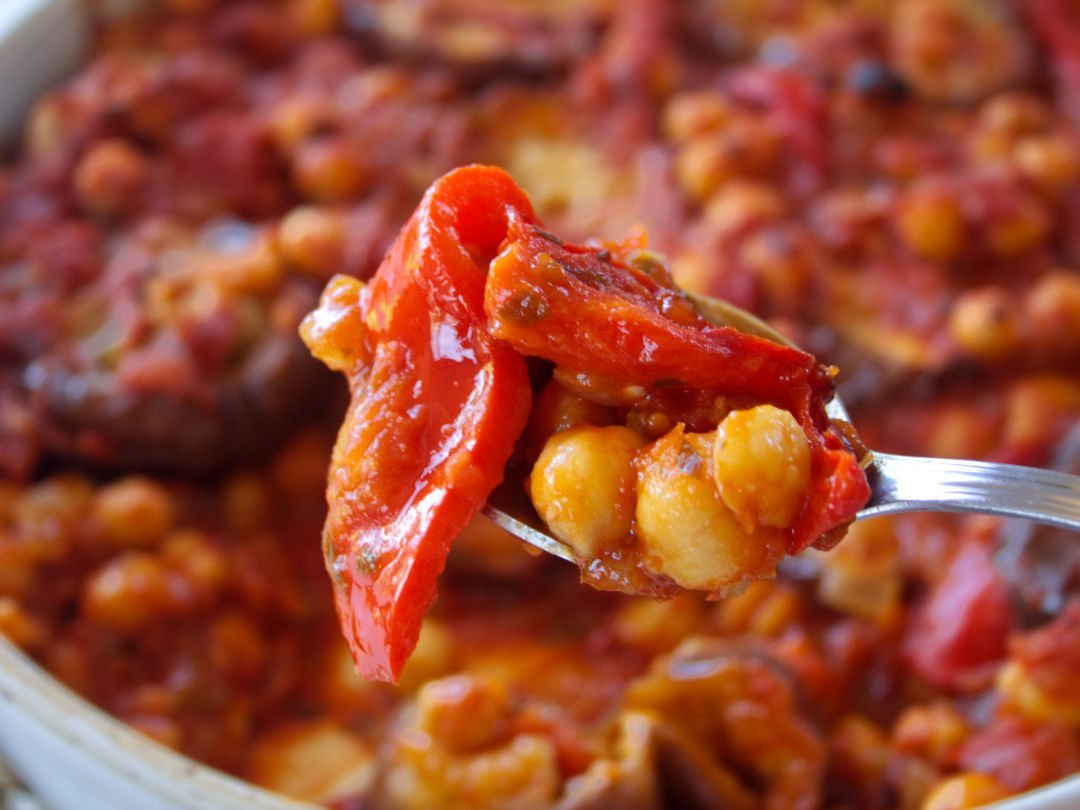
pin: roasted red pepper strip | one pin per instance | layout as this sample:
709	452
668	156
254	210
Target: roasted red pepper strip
587	311
437	405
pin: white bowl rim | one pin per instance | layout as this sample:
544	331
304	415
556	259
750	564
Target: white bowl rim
31	690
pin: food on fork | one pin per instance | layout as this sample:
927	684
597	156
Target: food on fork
670	452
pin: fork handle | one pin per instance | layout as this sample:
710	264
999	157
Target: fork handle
910	484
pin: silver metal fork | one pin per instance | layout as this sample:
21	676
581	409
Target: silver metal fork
898	483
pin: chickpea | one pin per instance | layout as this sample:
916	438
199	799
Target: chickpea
1051	161
1023	226
255	270
932	732
583	486
464	713
1014	114
1022	693
235	647
1038	408
985	323
764	609
312	239
111	178
296	119
191	554
658	626
48	517
696	113
1052	311
778	260
127	593
327	169
963	792
133	512
21	628
742	202
314	18
702	166
687	531
312	761
557	408
930	223
761	460
860	748
247	502
299	469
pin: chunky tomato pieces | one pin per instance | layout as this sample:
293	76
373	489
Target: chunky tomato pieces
433	351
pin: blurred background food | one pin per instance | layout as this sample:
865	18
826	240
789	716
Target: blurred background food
893	184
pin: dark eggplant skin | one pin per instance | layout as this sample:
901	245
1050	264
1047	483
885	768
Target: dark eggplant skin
85	418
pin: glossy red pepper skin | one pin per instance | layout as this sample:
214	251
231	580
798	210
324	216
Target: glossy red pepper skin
437	405
589	311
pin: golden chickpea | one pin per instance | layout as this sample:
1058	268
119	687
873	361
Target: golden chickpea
932	732
191	554
133	512
702	166
557	408
659	625
127	593
696	113
247	502
761	460
235	647
583	486
314	18
1052	312
312	239
860	748
312	761
255	270
688	532
464	713
930	223
779	263
1038	408
22	629
1022	227
1014	114
111	178
327	169
299	469
49	516
964	792
742	202
1051	161
297	118
985	323
1021	693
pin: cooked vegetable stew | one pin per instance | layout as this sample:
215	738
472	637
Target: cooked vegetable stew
894	185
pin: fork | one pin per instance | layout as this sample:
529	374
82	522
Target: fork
898	483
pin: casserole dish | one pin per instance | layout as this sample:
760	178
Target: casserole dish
44	729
